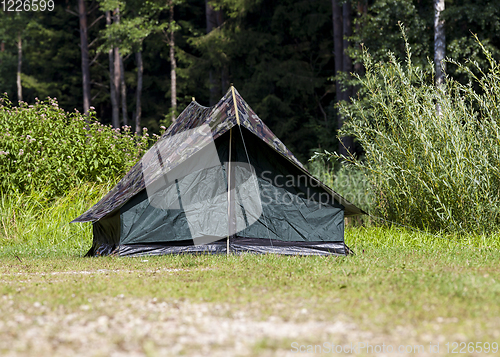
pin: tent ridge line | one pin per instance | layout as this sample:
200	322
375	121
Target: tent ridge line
235	106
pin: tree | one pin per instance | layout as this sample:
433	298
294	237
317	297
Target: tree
123	92
19	66
8	58
280	61
116	66
84	48
463	17
277	53
346	143
13	29
170	39
377	27
439	41
133	23
338	47
342	32
214	21
111	44
138	107
113	87
119	71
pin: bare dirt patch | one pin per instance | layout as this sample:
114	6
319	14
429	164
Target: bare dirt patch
146	327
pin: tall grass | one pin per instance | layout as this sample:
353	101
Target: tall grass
432	154
347	180
37	226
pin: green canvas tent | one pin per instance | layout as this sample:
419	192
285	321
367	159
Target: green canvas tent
219	181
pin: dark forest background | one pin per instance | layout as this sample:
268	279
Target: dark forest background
140	63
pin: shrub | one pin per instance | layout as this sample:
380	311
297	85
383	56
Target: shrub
431	154
45	149
347	180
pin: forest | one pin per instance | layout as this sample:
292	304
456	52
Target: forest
393	104
139	63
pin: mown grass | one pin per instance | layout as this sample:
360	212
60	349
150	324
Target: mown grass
430	285
408	280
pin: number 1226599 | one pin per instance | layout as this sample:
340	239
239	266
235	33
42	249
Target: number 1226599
27	5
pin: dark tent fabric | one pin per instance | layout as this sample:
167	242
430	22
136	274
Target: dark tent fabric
219	179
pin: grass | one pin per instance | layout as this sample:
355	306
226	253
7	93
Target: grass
400	286
32	226
397	279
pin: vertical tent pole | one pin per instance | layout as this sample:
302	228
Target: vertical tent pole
229	215
230	208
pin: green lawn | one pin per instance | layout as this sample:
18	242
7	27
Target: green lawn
401	287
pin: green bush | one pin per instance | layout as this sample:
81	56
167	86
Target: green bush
347	180
432	154
45	149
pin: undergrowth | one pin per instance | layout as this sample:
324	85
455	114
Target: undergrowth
431	154
33	225
46	150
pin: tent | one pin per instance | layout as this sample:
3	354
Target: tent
219	181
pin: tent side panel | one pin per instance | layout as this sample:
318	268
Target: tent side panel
106	235
144	223
294	210
186	205
294	207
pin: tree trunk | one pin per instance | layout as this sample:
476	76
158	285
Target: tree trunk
138	109
362	11
347	32
173	65
347	141
338	51
84	48
123	93
115	119
117	67
214	20
116	80
19	64
224	75
337	43
439	41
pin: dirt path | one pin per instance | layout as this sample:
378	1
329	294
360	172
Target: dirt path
134	327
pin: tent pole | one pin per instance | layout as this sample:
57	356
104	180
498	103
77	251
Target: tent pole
230	207
235	107
229	216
